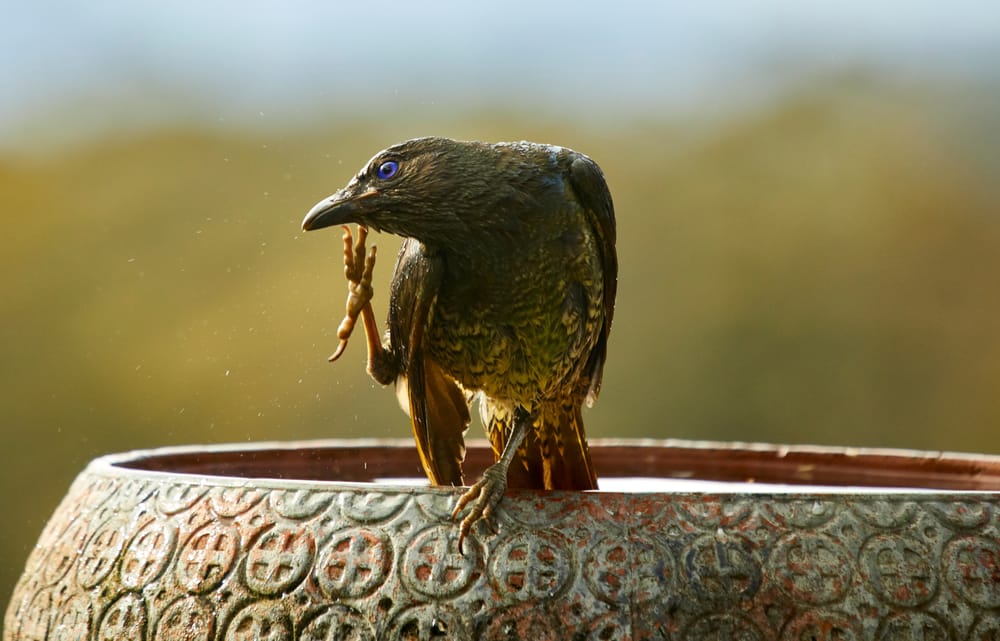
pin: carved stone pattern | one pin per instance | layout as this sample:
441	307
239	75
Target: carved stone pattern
170	561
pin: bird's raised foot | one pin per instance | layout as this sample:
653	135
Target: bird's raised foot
484	495
358	268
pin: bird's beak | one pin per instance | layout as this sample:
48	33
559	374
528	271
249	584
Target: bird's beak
345	206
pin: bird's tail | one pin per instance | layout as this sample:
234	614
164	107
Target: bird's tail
554	455
439	417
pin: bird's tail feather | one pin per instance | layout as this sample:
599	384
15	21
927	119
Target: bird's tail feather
439	418
554	455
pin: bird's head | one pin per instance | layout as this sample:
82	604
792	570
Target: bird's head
412	189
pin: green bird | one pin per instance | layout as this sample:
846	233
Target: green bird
504	288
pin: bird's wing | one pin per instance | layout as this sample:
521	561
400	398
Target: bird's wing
595	199
438	411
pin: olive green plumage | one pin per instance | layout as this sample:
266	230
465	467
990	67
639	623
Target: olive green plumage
504	286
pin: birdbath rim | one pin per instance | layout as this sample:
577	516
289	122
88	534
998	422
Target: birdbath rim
625	466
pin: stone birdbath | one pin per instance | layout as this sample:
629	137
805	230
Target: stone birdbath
340	540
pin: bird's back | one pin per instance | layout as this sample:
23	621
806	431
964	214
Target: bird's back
523	326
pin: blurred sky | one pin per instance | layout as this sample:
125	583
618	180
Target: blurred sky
235	63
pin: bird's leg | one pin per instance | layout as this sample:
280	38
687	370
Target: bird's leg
358	268
486	493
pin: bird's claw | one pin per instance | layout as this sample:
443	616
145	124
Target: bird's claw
483	495
358	268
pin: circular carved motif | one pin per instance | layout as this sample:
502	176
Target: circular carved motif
33	624
179	497
131	493
125	618
186	619
723	627
525	621
437	506
260	621
632	571
802	513
899	569
66	515
372	507
960	515
613	625
103	548
279	559
714	511
986	629
822	625
147	554
98	490
535	565
426	623
637	623
885	513
62	557
910	626
538	509
73	622
972	568
228	502
207	557
433	565
300	504
338	623
354	563
722	569
812	567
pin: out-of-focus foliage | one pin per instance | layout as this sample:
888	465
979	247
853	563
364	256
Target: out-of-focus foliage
826	269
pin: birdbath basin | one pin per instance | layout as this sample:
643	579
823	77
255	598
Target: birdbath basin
342	540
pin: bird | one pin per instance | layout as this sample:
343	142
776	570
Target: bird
503	293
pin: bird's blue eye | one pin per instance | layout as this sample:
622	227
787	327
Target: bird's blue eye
388	169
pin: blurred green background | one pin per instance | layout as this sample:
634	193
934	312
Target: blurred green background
808	200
